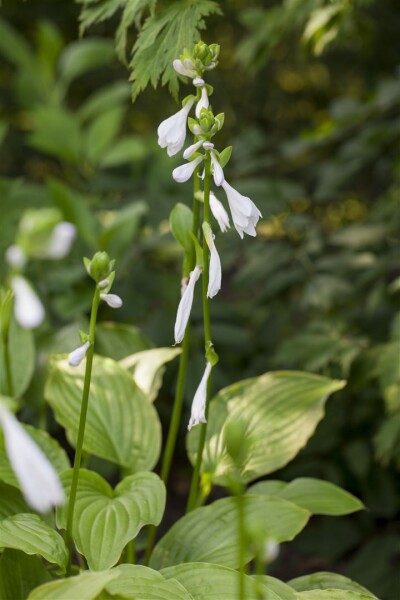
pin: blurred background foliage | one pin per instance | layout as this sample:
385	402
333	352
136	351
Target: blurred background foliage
311	94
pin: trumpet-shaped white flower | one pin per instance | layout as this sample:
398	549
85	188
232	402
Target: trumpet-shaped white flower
184	172
112	300
76	356
217	170
215	272
15	256
61	240
192	149
203	102
185	68
199	401
37	477
219	212
28	309
245	213
185	305
172	131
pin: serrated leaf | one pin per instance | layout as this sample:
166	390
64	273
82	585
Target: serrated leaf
148	369
11	501
317	496
280	411
325	580
27	532
19	574
163	38
133	12
85	586
206	581
142	583
121	425
56	455
214	529
105	520
22	359
97	11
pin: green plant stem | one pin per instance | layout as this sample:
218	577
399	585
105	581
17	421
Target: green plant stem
194	485
7	362
82	423
180	386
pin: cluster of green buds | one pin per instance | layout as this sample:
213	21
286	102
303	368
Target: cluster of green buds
194	63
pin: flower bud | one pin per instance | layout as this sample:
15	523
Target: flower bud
112	300
76	356
100	267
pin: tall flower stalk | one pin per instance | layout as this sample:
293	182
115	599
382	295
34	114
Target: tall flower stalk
100	268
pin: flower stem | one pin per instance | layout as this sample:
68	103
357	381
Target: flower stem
192	500
180	387
82	423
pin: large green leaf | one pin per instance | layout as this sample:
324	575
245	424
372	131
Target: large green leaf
319	497
331	594
121	425
214	582
27	532
11	501
22	359
141	583
105	520
325	580
209	534
56	455
85	586
148	368
280	412
19	574
283	590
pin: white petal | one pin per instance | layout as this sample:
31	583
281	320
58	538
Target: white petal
15	256
112	300
184	172
203	102
172	131
182	69
218	172
245	213
61	240
28	309
214	275
76	356
191	149
219	212
199	401
37	477
185	306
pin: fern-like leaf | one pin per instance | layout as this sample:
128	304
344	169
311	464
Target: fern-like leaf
132	14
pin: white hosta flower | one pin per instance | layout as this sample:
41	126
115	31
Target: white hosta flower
185	68
184	172
271	551
76	356
172	131
15	256
192	149
37	477
199	401
214	274
61	240
203	102
245	213
185	305
217	170
28	309
219	212
112	300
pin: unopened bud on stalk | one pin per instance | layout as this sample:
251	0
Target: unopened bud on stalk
100	267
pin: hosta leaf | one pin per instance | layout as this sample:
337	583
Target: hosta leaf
214	582
121	425
105	520
85	586
22	359
319	497
280	412
283	590
118	340
162	39
325	580
11	501
19	574
148	368
331	594
214	529
27	532
56	455
141	583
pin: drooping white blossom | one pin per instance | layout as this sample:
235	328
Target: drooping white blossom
28	309
199	401
203	102
245	213
185	305
76	356
184	172
61	240
192	149
185	68
172	131
215	271
217	170
112	300
15	256
37	477
219	212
